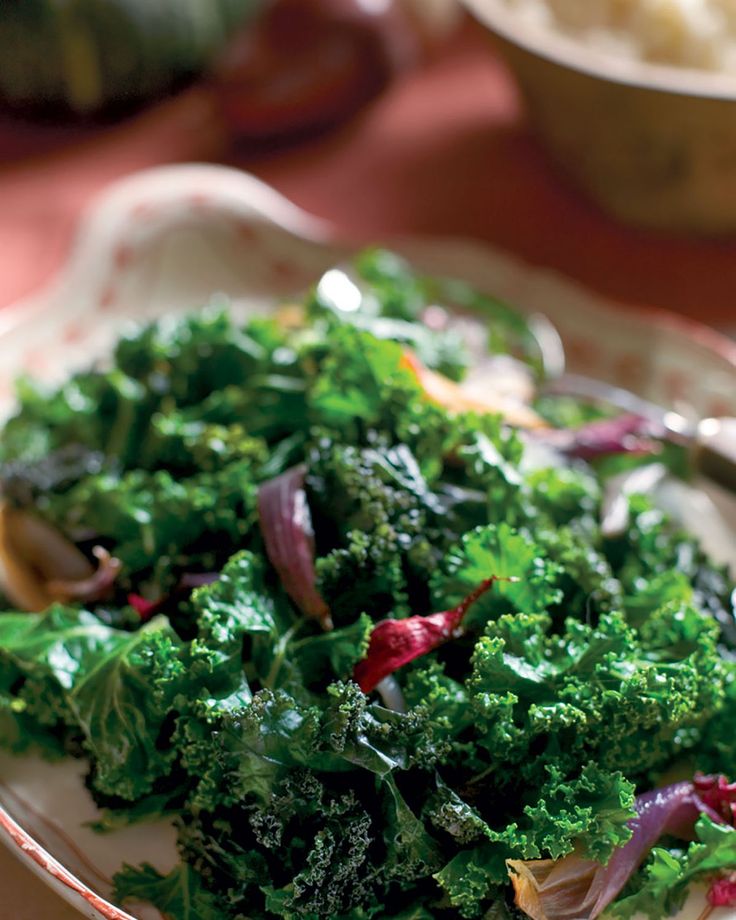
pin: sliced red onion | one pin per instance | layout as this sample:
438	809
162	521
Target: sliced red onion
32	554
625	434
286	525
95	587
395	643
575	888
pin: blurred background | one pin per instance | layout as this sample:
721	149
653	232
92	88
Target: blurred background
386	117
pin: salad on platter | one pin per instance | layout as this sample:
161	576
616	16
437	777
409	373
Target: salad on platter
386	632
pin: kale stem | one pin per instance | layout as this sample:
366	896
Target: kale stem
280	653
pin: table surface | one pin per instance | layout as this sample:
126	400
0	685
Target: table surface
445	151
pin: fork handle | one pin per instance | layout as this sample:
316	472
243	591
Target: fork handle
714	451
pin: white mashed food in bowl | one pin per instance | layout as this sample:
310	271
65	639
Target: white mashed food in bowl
686	33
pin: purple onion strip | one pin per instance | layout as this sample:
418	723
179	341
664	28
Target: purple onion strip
286	525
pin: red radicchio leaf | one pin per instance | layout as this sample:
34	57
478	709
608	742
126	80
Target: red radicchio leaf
144	608
722	892
286	525
625	434
395	643
717	793
187	583
575	888
94	588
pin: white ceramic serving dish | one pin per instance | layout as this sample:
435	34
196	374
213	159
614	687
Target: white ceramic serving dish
169	239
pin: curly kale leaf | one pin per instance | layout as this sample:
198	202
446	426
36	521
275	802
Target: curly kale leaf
563	494
256	746
337	869
472	878
589	809
390	286
411	852
361	384
237	606
496	550
385	298
717	750
315	847
585	577
379	509
491	465
155	521
180	894
187	358
629	700
114	688
106	413
121	707
652	548
242	623
334	654
199	369
401	292
443	698
178	444
307	850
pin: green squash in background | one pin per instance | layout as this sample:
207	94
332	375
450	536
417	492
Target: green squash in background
86	55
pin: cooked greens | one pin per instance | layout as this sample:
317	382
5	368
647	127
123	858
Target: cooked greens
302	507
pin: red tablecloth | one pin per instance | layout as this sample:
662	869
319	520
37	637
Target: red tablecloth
444	151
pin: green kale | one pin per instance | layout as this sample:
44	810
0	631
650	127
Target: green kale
585	577
362	384
234	607
176	443
378	509
563	494
472	877
501	551
384	298
589	810
411	852
717	750
112	687
289	856
180	894
154	521
186	360
652	547
102	412
630	701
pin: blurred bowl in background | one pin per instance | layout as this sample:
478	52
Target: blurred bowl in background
653	144
93	58
308	65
